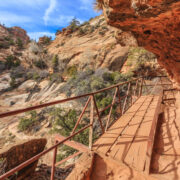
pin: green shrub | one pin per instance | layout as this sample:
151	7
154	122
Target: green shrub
13	82
97	83
66	120
105	28
27	122
72	71
40	64
56	77
46	40
7	38
11	42
81	31
12	61
92	29
19	43
68	151
107	76
35	76
74	25
45	51
104	102
101	33
55	62
58	32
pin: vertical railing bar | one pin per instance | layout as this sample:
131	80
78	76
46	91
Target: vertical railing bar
144	81
110	112
119	97
136	87
80	117
97	111
140	90
131	96
91	122
54	162
124	105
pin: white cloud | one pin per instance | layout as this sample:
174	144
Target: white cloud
37	35
61	20
10	19
49	10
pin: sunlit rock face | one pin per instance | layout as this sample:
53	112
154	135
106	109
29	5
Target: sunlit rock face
156	26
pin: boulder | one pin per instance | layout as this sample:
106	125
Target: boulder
19	153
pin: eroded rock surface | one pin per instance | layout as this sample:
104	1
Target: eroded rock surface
92	46
17	154
154	23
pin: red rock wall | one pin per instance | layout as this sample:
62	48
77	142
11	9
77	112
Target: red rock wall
156	26
19	153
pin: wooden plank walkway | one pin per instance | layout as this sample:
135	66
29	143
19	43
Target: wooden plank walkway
130	139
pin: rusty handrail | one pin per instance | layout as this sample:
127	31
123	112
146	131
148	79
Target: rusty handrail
19	111
93	104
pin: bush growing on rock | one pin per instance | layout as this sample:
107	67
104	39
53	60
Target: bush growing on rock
55	62
56	77
74	25
64	122
40	64
19	43
26	123
89	81
72	71
12	61
13	82
34	48
46	40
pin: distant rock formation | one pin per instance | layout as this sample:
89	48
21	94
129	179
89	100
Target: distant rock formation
92	45
14	33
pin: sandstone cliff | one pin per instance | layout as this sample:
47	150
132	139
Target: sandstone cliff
92	45
155	25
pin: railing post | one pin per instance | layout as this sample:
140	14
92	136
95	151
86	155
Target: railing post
140	90
54	162
113	101
91	122
136	87
97	111
124	105
81	115
119	97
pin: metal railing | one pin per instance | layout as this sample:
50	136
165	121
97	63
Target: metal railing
133	92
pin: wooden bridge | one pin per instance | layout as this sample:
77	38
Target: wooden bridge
128	139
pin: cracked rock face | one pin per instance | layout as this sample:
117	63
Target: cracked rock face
155	25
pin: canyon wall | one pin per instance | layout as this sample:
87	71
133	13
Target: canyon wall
154	23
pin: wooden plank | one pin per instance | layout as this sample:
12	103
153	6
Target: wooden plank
78	146
152	135
136	156
120	150
109	138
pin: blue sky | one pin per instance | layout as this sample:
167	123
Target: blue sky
44	17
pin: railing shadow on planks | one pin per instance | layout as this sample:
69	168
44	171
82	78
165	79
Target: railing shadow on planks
134	89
